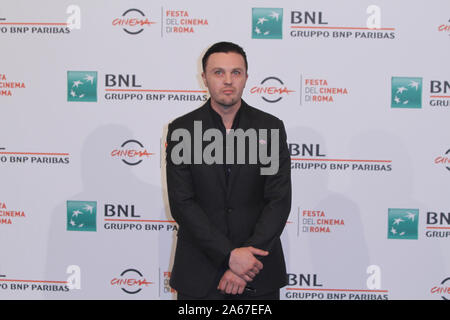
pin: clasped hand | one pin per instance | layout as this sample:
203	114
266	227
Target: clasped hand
243	268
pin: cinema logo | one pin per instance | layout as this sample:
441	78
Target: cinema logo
127	87
126	217
131	281
271	90
182	22
310	287
9	87
73	21
132	21
131	152
38	158
319	91
444	28
312	157
442	290
9	216
316	25
317	221
443	160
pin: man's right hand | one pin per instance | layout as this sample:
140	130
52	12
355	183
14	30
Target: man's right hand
244	264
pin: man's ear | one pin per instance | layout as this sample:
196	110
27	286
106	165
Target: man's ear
204	79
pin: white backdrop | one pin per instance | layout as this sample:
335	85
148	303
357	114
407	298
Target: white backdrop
87	89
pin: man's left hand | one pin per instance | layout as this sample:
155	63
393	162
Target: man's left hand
230	283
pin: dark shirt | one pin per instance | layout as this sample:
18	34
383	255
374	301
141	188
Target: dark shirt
218	124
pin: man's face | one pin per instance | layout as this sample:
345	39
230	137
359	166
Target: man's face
225	76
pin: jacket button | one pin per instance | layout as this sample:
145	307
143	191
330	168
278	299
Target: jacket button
229	210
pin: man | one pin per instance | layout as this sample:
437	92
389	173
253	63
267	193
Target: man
230	215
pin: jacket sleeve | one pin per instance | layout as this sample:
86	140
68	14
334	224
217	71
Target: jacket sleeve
277	195
188	214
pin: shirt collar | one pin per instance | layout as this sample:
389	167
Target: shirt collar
218	123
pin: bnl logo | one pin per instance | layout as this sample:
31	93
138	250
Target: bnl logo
267	23
403	224
82	86
81	216
406	93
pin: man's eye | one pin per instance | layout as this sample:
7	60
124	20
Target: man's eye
218	72
236	72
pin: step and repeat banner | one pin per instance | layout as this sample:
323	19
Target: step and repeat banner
87	89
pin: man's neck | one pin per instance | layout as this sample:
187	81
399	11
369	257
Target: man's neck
227	113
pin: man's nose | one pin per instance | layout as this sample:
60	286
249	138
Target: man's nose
227	78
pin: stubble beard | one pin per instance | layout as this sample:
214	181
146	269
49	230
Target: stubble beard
225	104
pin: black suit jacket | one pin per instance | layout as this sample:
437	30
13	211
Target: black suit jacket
214	218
